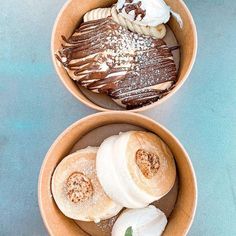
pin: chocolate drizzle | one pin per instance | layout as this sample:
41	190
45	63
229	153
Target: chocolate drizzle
136	7
107	58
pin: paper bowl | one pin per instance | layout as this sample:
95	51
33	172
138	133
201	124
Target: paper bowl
57	224
71	15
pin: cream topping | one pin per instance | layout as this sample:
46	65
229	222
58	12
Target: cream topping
149	221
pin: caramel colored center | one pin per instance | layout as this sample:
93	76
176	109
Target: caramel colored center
78	187
147	162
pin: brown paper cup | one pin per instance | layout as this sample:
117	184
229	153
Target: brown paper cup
71	15
57	224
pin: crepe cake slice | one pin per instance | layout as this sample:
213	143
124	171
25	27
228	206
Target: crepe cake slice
104	57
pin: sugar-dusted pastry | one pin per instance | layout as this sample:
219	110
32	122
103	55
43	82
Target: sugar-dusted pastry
77	191
99	13
149	221
104	57
147	12
135	168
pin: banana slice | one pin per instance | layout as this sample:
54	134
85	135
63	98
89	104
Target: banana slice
135	168
145	221
158	31
97	13
77	191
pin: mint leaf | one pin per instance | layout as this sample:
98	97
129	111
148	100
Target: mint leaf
129	232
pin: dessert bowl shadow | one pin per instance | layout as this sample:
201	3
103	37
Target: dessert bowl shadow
56	223
71	15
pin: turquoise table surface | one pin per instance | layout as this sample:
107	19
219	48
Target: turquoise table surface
35	108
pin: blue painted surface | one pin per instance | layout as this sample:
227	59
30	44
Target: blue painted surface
35	108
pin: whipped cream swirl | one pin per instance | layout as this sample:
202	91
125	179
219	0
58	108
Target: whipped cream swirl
147	12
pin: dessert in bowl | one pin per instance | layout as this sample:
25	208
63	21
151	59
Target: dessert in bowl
160	186
123	56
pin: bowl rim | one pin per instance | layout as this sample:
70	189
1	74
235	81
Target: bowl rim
141	109
138	116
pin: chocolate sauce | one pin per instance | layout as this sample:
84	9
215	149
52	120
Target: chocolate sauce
136	7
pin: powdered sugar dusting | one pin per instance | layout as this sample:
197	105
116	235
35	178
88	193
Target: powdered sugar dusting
106	225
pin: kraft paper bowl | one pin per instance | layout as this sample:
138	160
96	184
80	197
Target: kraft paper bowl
71	15
110	123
